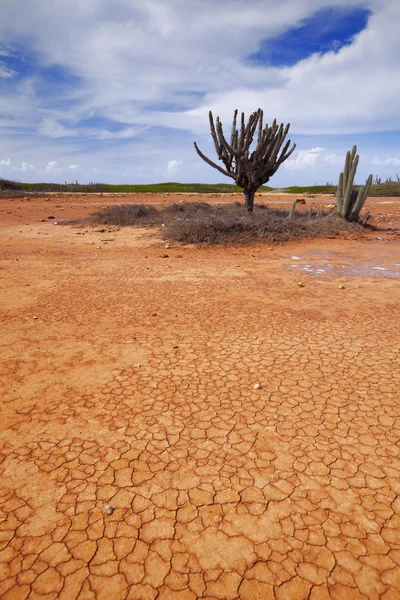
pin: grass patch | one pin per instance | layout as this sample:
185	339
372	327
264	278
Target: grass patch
385	189
156	188
311	189
381	189
227	224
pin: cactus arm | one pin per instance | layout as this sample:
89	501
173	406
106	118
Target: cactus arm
339	196
347	196
346	172
362	196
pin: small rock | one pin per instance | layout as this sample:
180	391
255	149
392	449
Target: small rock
342	287
166	246
35	317
165	256
108	509
257	386
98	247
300	284
51	217
300	201
55	223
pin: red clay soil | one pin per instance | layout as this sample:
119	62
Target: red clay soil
139	459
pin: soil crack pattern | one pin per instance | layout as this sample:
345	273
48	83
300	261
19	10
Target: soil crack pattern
139	460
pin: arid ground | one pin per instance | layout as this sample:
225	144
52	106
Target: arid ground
139	459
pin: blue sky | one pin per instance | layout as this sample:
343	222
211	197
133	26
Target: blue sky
117	90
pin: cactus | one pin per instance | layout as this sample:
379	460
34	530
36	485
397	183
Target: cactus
249	169
292	210
350	201
310	213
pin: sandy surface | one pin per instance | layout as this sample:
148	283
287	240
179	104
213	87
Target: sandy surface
137	458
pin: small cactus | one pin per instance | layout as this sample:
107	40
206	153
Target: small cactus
292	210
350	201
310	213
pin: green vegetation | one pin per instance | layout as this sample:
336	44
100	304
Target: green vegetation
381	189
170	187
311	189
385	189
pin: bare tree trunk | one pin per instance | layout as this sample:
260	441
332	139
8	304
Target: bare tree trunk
249	199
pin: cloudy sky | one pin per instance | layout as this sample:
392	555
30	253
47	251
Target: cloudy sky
117	90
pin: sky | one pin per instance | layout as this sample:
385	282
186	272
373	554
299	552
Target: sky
117	91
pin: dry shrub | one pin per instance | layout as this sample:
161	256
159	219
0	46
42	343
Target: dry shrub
126	214
233	229
225	224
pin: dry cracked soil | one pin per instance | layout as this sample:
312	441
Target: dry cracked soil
139	459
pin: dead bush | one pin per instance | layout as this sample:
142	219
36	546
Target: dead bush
126	214
225	224
232	229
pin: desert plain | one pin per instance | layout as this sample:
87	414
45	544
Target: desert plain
189	422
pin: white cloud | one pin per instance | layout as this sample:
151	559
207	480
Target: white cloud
385	162
334	159
53	129
173	166
52	167
5	163
73	167
27	167
157	64
6	72
304	159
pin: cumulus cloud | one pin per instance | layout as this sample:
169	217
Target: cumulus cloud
304	159
173	166
27	167
134	55
157	65
52	168
385	162
334	159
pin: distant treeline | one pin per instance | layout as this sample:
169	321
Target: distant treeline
380	189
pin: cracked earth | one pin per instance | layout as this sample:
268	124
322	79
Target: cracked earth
137	458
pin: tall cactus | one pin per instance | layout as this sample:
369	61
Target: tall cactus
350	201
249	169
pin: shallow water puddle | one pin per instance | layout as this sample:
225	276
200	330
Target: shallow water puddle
319	265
